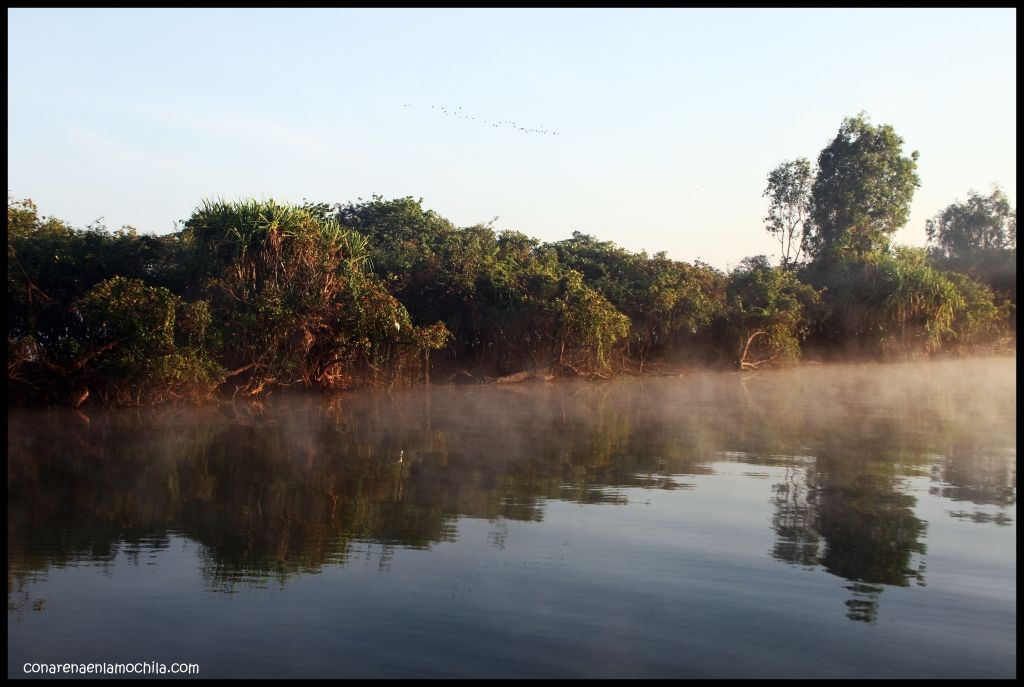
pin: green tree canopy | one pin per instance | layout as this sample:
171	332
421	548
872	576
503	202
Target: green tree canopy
789	209
765	319
978	238
667	301
981	223
862	191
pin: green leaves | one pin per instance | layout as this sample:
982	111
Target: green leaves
266	295
134	342
862	192
768	305
895	303
982	223
789	196
589	321
665	300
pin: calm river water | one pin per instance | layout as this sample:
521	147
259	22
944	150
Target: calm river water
848	521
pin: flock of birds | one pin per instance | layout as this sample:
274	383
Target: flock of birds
459	114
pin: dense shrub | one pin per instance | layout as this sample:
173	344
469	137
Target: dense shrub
253	296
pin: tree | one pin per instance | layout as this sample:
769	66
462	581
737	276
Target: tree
978	238
862	191
292	297
766	312
143	343
982	223
895	303
666	300
789	195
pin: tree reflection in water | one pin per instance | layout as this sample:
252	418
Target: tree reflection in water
280	490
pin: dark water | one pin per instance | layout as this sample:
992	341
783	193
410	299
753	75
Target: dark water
850	521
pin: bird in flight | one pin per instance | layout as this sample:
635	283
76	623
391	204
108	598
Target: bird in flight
459	114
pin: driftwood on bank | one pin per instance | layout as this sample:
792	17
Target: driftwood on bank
544	372
526	376
755	364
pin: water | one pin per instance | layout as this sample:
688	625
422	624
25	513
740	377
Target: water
855	521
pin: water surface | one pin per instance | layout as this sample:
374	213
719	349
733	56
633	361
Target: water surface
853	521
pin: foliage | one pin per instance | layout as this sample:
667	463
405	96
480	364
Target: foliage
50	267
667	301
154	342
979	224
291	298
508	301
253	296
765	315
895	303
400	234
862	191
589	322
789	197
978	238
983	317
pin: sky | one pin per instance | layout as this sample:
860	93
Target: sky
668	120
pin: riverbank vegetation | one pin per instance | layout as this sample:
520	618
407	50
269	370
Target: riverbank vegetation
255	296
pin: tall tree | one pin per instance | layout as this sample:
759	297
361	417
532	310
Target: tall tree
862	191
789	196
980	224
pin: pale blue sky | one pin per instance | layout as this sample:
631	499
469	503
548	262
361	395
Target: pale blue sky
669	120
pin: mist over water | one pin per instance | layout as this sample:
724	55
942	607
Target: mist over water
854	521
